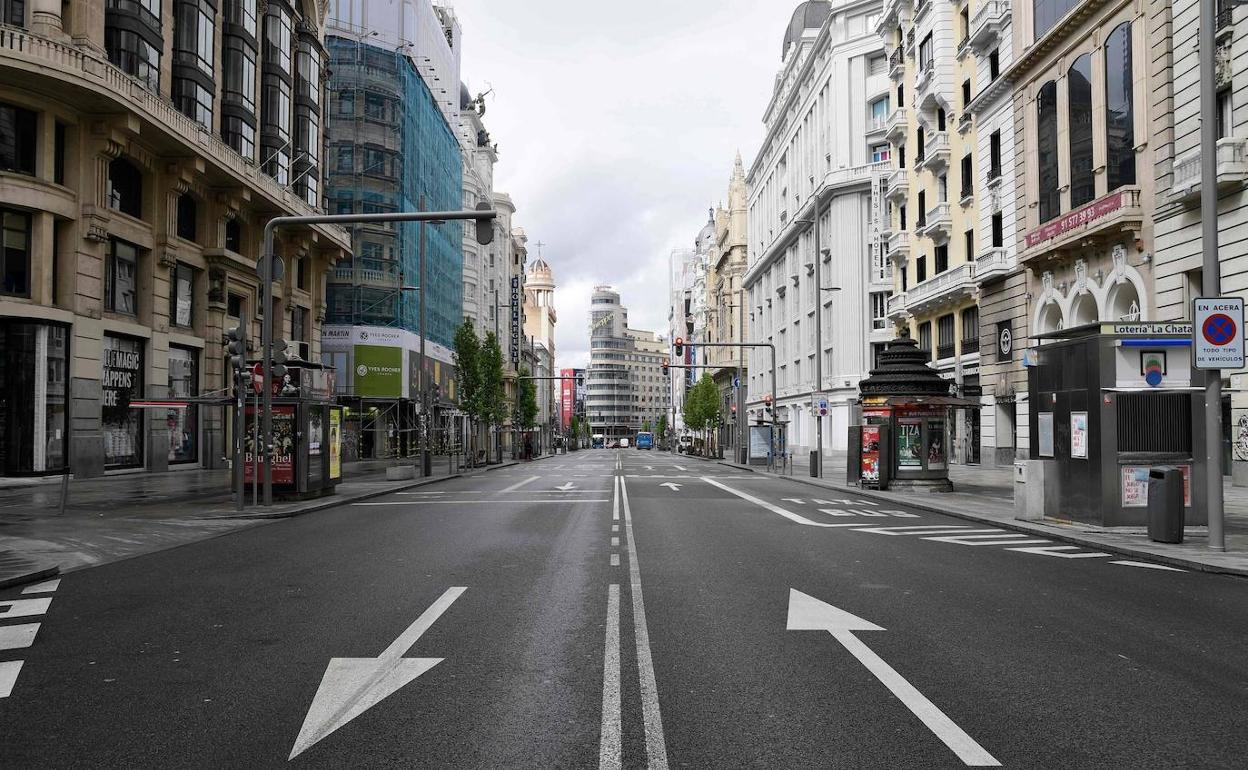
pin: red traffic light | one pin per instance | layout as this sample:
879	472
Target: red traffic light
767	399
680	340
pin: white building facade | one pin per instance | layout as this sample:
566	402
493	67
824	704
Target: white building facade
824	160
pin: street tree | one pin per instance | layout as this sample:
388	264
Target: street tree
662	428
468	353
493	404
528	401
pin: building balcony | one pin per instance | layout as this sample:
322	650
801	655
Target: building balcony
986	24
935	151
994	263
937	223
899	245
898	124
366	276
88	80
876	126
896	64
967	197
898	185
896	309
1110	217
944	287
1232	157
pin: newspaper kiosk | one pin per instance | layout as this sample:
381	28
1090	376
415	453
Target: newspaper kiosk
307	435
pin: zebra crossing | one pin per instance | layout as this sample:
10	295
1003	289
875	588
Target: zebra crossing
20	636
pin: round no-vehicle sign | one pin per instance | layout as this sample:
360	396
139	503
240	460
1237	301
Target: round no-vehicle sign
1218	332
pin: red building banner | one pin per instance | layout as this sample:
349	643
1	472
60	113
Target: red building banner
1077	218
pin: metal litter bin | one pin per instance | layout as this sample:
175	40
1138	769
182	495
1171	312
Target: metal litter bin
814	463
1165	504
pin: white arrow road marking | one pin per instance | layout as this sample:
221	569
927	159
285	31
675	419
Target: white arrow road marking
806	613
351	686
1123	562
671	485
8	676
18	637
24	608
517	485
679	467
46	587
565	486
764	504
1057	550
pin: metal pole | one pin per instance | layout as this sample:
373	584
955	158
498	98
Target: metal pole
818	345
426	462
774	406
266	357
240	427
742	422
255	476
1211	279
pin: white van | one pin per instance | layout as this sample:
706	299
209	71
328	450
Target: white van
623	443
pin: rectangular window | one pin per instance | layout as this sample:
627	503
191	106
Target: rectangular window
17	139
970	329
301	273
346	104
879	153
901	95
926	53
879	309
121	277
1225	113
374	106
58	159
966	93
879	113
925	337
920	269
901	156
968	177
182	296
186	217
994	155
994	65
942	258
277	37
239	76
299	324
234	306
922	216
945	338
14	253
183	424
134	55
998	230
346	158
970	245
13	12
901	214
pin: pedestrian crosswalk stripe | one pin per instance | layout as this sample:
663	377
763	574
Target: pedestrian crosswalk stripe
18	637
22	608
8	676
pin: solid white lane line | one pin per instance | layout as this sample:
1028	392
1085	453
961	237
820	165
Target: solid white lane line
516	486
764	504
970	752
652	719
615	527
480	502
610	748
18	637
1146	565
615	542
615	560
8	676
615	499
23	608
46	587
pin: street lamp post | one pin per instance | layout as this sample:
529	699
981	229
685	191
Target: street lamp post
1211	281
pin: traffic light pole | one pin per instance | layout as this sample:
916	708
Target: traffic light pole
485	230
743	345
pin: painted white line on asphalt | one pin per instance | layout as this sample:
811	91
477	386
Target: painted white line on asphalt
1057	550
1123	562
18	637
995	541
652	719
615	499
46	587
615	527
927	531
615	542
764	504
516	486
23	608
610	745
8	676
615	560
563	501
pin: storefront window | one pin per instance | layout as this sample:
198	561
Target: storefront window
14	253
183	424
122	382
33	375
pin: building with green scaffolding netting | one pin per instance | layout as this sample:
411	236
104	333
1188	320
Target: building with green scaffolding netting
390	148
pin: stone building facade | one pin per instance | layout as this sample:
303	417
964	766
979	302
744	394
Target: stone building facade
143	147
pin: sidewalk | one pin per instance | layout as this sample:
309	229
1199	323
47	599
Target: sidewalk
986	494
117	517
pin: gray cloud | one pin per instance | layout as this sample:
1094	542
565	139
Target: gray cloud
617	125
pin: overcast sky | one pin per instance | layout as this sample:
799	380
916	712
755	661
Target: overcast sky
617	124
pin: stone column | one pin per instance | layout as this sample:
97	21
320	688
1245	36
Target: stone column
45	18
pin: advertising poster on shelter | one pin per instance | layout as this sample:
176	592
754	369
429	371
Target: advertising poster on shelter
335	443
283	447
871	454
909	444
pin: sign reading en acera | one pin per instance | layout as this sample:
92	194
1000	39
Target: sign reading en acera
1218	332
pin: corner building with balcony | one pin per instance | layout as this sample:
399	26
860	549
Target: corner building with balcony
933	196
1179	263
144	144
823	163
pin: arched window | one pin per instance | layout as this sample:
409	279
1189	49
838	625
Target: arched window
1079	106
1119	108
1046	146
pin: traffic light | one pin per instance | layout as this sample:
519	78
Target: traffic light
767	402
277	364
680	346
664	368
485	227
236	346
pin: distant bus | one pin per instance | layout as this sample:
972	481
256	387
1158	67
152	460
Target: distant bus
645	440
599	441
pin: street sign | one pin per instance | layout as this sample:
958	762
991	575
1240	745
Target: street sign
1218	332
736	382
819	404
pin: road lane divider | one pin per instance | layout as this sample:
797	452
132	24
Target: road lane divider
517	485
610	745
652	719
766	505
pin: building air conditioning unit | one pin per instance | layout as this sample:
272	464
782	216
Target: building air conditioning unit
298	351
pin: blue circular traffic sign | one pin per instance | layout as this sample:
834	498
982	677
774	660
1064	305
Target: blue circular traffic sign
1219	329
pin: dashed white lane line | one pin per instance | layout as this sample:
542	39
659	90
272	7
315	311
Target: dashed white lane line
1146	565
18	637
46	587
517	485
615	527
652	719
610	747
23	608
8	676
615	560
766	505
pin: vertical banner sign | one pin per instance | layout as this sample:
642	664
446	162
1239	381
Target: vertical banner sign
877	216
1218	332
515	320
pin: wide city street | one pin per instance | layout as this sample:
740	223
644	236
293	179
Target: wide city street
625	608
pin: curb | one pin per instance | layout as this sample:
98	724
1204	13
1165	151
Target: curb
1016	526
327	504
29	577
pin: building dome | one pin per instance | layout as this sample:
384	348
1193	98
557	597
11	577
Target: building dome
540	275
808	15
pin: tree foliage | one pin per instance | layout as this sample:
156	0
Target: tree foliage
468	369
662	427
528	400
493	394
702	404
